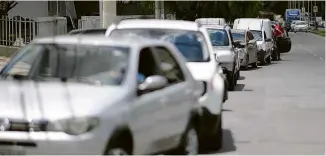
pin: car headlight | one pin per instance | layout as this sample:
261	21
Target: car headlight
74	126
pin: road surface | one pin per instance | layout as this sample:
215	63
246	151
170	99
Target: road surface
280	108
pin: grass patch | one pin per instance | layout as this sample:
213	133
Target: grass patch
319	32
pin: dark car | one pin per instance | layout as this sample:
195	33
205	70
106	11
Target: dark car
98	31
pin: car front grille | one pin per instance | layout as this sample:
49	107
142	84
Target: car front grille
22	125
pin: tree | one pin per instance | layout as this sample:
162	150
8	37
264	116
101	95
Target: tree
6	6
190	10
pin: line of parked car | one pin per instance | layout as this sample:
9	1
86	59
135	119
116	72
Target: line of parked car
141	86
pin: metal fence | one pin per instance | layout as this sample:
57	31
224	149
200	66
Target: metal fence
18	31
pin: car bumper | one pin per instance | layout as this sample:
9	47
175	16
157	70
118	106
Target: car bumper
301	29
243	62
262	53
49	143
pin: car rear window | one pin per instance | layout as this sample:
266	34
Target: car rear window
191	44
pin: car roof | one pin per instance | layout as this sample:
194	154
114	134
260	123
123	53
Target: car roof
98	40
82	31
158	24
238	30
214	26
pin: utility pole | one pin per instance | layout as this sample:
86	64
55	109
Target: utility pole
101	12
157	9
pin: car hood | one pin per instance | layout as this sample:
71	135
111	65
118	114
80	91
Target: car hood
224	54
301	26
30	100
196	69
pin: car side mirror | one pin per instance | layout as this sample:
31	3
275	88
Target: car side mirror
152	83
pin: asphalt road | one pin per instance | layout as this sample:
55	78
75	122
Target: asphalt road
280	108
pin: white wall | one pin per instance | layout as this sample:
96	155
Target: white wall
109	14
30	9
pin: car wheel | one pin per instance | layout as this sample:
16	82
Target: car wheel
269	59
262	60
190	142
231	77
215	141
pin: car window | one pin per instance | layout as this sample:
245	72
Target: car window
147	65
257	35
22	63
250	37
105	65
238	36
169	66
219	37
191	44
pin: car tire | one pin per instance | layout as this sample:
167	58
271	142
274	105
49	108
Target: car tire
247	61
215	141
262	60
189	144
269	59
231	81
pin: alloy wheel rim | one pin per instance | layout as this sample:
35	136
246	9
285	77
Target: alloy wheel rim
191	143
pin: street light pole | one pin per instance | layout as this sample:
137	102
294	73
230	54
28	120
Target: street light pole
157	9
101	12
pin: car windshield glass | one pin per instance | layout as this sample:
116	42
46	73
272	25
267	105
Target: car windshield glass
219	37
257	35
105	65
237	36
300	23
191	44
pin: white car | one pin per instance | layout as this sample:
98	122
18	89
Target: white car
226	53
117	96
293	24
193	42
301	26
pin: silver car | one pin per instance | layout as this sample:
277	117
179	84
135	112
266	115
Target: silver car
301	26
193	42
248	48
224	49
96	95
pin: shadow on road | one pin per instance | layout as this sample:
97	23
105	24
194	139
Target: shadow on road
240	87
228	143
242	78
250	69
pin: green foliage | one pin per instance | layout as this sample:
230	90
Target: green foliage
190	10
6	6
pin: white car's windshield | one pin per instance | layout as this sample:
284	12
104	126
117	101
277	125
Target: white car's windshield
106	65
191	44
300	23
257	35
219	37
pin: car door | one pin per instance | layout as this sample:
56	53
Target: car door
251	47
179	92
147	112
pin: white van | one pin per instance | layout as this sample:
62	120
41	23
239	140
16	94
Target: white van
263	33
211	21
